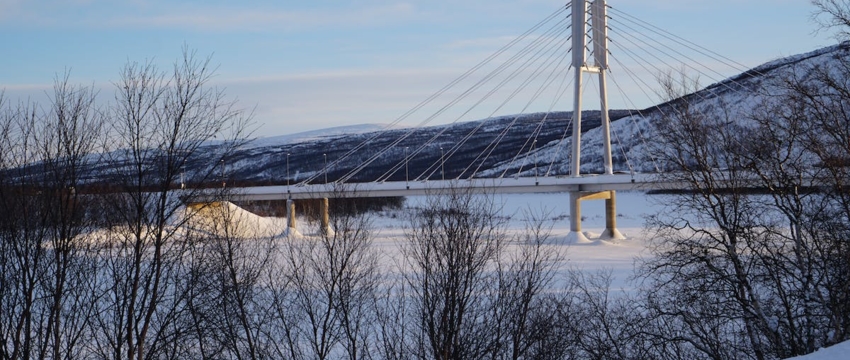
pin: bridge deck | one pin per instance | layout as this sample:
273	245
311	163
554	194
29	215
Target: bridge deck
497	186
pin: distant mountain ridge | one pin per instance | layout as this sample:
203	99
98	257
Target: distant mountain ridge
313	135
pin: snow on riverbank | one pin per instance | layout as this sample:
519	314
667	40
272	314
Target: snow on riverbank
840	351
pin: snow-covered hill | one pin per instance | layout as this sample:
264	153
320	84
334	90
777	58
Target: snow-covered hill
316	135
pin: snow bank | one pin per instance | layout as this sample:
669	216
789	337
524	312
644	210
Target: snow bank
838	351
223	218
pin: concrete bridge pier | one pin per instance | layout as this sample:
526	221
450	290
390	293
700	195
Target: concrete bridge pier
290	214
576	197
323	209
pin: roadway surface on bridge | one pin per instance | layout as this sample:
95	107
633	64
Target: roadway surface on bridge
558	184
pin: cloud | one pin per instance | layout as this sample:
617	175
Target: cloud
9	8
294	103
700	5
247	18
220	16
493	42
210	18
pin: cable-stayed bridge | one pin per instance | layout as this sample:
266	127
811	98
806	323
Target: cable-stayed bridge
569	57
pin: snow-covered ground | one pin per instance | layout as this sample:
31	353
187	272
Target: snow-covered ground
839	351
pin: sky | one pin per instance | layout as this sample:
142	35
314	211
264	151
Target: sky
307	65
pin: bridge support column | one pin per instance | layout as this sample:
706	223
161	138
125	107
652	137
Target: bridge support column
611	231
325	218
290	214
576	198
575	213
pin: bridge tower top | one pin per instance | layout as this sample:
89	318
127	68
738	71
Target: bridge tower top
598	11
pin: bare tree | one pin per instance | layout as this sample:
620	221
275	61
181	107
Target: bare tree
825	97
331	278
393	320
21	237
521	314
606	324
67	141
706	234
832	14
160	122
46	258
229	310
743	254
803	159
451	244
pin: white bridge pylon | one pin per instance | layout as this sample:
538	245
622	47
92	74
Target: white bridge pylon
598	12
599	40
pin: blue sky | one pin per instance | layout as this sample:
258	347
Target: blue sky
305	65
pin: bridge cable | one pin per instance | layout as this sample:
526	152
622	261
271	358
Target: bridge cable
665	53
444	108
638	79
559	95
492	75
549	39
497	140
531	140
632	118
700	93
630	37
682	41
661	49
439	92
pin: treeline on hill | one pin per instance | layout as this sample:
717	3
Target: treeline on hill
311	208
